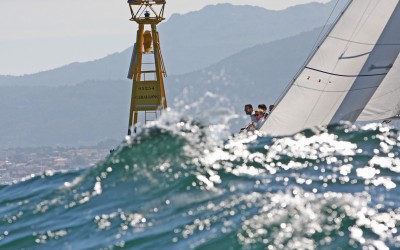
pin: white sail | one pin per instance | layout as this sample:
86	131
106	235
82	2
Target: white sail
385	103
345	71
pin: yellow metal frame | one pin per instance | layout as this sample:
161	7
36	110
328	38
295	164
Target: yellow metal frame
143	17
142	7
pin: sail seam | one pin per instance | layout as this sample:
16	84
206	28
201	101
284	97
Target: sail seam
369	44
336	91
329	73
352	57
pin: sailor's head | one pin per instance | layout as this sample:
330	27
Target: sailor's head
248	108
271	107
259	113
263	107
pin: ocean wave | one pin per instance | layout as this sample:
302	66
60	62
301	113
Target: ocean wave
189	184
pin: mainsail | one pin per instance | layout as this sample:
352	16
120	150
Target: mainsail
353	75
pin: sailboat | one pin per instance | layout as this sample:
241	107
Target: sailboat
352	75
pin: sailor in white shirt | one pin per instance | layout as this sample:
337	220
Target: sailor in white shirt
248	109
256	125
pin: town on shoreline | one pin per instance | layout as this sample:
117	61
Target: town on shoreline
18	163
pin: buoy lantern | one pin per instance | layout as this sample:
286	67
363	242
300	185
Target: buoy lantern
147	41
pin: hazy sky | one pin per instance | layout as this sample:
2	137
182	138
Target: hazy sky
36	35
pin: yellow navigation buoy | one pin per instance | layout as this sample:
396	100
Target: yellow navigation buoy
147	69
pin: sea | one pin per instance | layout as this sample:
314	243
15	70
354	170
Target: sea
190	183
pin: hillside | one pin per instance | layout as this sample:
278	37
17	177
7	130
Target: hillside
255	75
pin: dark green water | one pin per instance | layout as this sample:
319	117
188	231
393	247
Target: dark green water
185	188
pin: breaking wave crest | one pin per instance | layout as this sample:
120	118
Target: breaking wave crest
186	184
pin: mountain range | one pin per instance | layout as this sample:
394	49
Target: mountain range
194	41
246	54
